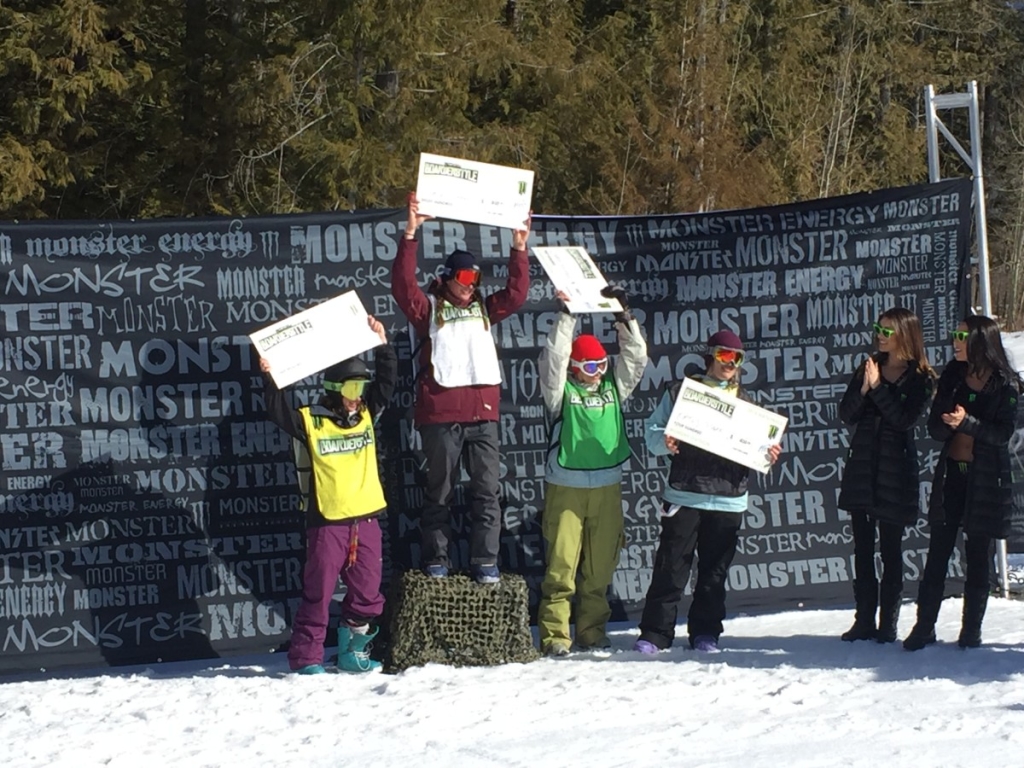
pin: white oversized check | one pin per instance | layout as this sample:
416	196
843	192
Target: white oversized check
725	425
465	190
574	273
315	339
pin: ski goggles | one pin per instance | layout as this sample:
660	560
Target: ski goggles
351	389
960	335
883	331
727	356
591	367
467	277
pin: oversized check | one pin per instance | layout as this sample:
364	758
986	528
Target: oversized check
725	425
574	273
465	190
315	339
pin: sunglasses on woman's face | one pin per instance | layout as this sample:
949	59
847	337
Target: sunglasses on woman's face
467	277
593	367
728	357
881	330
960	335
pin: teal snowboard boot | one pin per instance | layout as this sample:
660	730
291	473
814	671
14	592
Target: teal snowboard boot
353	655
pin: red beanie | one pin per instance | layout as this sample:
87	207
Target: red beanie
587	347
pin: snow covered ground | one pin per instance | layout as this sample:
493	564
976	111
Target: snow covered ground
785	691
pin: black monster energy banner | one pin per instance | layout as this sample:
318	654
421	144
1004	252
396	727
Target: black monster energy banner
148	510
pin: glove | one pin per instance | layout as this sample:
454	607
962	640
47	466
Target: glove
618	292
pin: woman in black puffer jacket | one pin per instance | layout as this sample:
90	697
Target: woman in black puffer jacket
886	397
974	415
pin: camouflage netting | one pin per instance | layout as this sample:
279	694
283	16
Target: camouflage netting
458	622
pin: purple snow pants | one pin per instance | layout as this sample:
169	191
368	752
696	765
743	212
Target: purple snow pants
327	554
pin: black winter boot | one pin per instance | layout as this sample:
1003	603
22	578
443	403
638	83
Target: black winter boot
975	602
889	612
929	600
866	595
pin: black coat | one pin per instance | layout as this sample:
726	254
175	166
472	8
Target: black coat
989	489
881	474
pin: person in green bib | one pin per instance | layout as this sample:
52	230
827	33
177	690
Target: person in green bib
582	522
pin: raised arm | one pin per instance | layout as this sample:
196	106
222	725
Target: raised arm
509	299
404	287
554	361
279	410
385	363
629	369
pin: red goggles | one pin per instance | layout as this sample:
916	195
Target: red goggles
467	277
727	356
591	367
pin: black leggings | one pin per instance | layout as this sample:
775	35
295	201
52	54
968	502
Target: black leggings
978	549
890	544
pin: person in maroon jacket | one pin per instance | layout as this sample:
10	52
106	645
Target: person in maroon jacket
457	391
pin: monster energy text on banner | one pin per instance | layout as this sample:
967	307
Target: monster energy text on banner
148	510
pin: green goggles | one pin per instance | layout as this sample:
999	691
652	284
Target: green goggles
883	331
351	390
960	335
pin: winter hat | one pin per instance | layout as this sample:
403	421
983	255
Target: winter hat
353	368
457	260
726	339
587	347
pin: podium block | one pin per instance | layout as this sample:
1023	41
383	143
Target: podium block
458	622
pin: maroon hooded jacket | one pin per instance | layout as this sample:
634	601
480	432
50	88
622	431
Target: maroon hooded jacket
436	404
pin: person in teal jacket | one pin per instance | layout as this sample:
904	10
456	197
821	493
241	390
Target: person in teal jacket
582	522
704	501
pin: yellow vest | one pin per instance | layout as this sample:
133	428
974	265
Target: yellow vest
344	463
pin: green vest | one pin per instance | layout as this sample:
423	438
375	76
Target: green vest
593	432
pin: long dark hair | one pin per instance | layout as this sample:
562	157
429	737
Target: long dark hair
985	351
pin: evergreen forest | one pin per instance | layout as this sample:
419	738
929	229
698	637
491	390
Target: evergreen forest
144	108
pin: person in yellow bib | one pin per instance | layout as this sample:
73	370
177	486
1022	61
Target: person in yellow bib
582	522
336	458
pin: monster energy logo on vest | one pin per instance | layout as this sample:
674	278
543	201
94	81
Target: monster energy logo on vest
329	446
710	401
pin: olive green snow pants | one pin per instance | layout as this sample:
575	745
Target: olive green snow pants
583	532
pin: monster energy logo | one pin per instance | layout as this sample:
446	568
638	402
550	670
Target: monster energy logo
709	401
773	430
451	170
285	333
329	446
522	187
